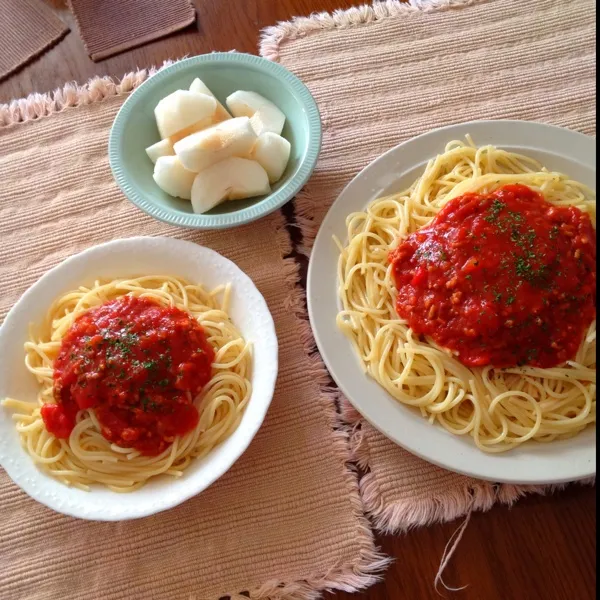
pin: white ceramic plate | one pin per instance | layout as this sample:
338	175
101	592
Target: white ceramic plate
558	149
129	258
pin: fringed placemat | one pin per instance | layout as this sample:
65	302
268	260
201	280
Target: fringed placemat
286	522
27	28
385	73
108	27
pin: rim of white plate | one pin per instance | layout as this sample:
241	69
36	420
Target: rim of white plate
128	258
532	463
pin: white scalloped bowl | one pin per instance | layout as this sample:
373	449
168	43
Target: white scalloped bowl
127	258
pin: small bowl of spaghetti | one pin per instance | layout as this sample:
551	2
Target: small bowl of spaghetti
136	374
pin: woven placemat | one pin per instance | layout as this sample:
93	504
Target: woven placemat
286	521
393	71
108	27
27	28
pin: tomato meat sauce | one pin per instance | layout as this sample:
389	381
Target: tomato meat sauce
503	279
139	365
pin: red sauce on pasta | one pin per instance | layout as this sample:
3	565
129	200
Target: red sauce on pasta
139	365
501	279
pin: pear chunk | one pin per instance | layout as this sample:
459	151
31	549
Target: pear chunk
200	87
173	178
266	116
272	152
182	109
162	148
231	179
268	119
195	128
199	151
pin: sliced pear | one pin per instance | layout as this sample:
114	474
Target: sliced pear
173	178
182	109
200	87
199	151
219	115
195	128
267	117
231	179
272	152
244	104
162	148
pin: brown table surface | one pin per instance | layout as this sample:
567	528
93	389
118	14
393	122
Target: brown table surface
543	547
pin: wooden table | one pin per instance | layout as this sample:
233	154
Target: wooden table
544	547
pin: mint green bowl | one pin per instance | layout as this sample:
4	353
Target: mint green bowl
134	129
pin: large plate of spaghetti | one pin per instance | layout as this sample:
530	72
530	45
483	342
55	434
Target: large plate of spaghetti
451	290
133	376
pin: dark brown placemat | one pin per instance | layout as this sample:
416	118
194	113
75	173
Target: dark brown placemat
27	28
112	26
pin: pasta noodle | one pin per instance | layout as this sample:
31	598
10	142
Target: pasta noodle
499	408
87	457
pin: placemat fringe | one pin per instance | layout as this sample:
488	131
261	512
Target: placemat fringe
273	37
38	105
305	217
439	508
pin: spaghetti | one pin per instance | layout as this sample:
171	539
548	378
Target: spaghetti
501	406
88	454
